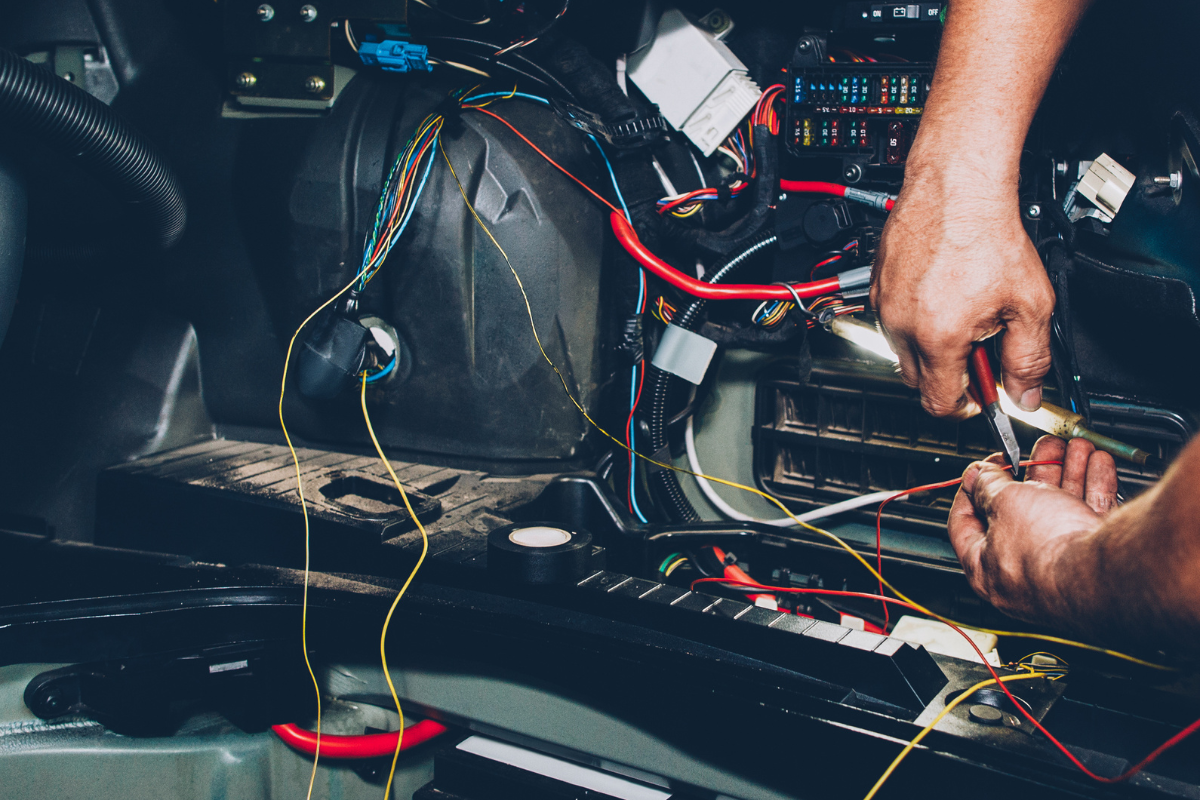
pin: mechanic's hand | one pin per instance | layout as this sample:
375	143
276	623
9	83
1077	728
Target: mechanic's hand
954	267
1009	535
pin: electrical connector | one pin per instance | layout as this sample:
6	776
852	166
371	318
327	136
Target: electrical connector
1106	183
394	55
700	86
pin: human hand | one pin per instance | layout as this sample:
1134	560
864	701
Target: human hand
1010	535
954	267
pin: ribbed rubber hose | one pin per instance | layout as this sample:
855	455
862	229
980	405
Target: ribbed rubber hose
664	486
40	103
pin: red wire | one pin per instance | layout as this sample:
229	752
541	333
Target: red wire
723	291
539	151
820	264
374	745
1126	775
821	187
629	422
926	488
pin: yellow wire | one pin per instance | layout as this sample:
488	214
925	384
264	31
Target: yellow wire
387	792
674	567
768	497
287	360
953	704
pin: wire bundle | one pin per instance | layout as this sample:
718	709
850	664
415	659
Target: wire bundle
739	148
400	193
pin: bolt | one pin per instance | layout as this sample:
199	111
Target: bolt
51	701
1060	167
308	13
1034	211
265	12
69	77
1174	180
852	173
245	80
314	84
804	45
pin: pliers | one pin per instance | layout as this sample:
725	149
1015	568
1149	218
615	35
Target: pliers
983	383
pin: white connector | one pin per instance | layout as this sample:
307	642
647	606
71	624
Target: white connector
1106	184
696	81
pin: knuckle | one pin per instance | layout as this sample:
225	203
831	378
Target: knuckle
940	405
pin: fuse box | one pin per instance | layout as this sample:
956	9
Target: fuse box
869	110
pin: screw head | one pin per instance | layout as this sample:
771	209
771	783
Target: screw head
1034	211
1060	167
803	45
265	12
782	196
314	84
51	701
245	80
852	173
308	12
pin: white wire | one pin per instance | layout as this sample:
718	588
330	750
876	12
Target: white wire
873	498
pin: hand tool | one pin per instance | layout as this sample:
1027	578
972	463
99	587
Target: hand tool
983	382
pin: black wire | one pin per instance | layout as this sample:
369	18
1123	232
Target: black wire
481	21
547	27
547	78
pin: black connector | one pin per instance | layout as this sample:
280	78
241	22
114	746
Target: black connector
332	355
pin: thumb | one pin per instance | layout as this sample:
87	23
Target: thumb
1025	353
985	489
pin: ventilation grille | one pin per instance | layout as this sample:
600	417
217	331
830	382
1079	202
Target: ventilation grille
854	428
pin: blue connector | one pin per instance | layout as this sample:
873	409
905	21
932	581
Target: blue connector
395	56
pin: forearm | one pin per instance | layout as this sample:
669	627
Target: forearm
1136	579
996	60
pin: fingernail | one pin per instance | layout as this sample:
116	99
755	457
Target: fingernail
1031	400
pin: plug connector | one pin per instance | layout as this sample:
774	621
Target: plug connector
700	86
394	55
1106	184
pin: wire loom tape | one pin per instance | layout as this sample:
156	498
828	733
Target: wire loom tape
684	353
538	553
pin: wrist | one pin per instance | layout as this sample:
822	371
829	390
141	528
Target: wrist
964	161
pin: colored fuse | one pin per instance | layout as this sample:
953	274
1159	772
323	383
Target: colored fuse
808	133
835	138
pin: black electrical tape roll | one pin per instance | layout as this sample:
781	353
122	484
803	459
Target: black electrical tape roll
538	553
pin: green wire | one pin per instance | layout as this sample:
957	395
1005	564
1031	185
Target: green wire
667	561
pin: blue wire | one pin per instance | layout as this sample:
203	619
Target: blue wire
383	372
641	289
632	421
404	222
612	175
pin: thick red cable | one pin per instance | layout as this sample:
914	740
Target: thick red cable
374	745
711	291
821	187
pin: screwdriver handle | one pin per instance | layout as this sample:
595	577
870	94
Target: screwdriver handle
981	371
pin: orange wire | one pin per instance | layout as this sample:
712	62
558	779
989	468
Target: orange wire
539	151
